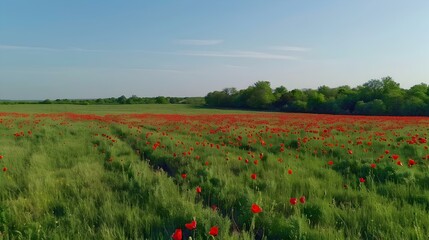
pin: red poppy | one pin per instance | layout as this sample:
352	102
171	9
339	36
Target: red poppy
184	175
4	169
399	163
386	151
214	231
293	201
395	156
192	225
253	176
289	171
330	163
302	199
373	165
177	235
362	180
350	151
198	189
411	162
1	156
256	208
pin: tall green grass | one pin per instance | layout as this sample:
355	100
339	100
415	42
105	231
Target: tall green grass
105	179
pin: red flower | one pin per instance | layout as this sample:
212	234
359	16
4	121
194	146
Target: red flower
411	162
362	180
198	189
1	156
253	176
350	151
386	151
177	235
4	169
256	208
330	163
293	201
192	225
373	165
399	163
302	199
183	175
289	171
395	156
214	231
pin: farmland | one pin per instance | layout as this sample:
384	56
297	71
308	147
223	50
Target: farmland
144	172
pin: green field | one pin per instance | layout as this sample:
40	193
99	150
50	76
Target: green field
113	109
144	171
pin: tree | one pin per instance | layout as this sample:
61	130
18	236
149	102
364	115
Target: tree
261	95
121	100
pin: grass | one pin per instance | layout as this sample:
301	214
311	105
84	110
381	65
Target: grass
71	176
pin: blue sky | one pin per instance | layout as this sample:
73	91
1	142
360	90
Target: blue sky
91	49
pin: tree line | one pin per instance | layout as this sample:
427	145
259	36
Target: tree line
119	100
376	97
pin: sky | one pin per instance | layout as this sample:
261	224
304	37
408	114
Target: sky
104	48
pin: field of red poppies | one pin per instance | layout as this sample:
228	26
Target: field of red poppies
213	176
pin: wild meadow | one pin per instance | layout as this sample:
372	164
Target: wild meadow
200	174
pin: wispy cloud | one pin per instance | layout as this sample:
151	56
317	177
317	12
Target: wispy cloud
291	48
157	70
238	54
13	47
34	48
199	42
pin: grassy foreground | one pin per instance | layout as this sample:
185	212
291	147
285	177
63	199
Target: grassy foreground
253	176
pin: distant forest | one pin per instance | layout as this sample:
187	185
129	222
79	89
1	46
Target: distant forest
376	97
119	100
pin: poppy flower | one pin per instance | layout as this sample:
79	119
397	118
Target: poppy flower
184	175
411	162
350	151
4	169
214	231
289	171
192	225
399	163
177	235
373	165
255	208
386	151
362	180
198	189
395	156
293	201
302	199
330	163
1	156
253	176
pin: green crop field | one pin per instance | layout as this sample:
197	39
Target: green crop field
180	172
113	109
